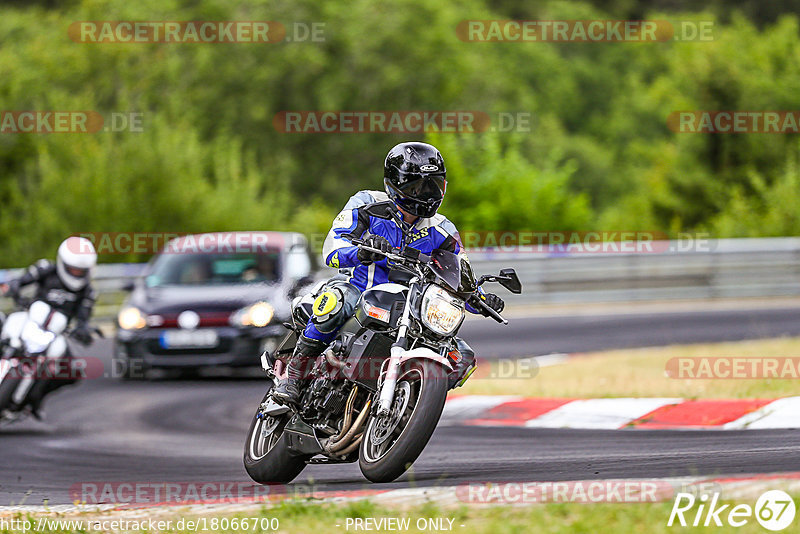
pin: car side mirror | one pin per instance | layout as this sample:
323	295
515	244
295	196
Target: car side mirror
508	279
129	285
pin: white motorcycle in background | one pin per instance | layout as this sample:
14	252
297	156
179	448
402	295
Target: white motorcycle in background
33	348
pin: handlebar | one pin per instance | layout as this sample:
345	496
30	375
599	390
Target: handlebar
489	310
19	301
95	331
394	256
423	258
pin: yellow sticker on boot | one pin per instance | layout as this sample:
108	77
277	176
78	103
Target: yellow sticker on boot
325	303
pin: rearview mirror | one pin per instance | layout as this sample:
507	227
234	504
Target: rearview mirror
299	285
381	210
508	279
385	210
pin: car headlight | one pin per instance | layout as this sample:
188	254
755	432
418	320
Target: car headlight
441	312
131	319
258	315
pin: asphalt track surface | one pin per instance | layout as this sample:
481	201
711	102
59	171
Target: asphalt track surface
193	430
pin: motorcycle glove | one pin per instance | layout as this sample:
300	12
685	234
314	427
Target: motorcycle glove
493	301
11	289
379	242
82	334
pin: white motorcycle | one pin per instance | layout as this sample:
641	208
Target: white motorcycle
33	348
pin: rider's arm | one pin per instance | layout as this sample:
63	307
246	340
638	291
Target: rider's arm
338	251
86	305
32	274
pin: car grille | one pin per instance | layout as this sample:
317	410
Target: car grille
225	345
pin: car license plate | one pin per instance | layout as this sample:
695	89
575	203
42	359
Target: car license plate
189	339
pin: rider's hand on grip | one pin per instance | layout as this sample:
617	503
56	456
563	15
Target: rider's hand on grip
493	301
10	290
82	334
374	241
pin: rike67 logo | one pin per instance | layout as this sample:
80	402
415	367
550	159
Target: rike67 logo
774	510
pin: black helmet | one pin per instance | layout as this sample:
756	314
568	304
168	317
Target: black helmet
414	177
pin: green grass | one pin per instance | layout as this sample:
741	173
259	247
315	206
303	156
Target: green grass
314	518
641	373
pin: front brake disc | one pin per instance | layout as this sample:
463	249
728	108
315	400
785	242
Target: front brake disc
384	426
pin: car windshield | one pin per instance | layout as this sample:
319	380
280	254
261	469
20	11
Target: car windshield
214	269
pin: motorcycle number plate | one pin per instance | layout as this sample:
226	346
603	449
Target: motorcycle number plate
189	339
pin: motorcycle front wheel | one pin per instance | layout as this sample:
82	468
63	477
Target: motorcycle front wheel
393	442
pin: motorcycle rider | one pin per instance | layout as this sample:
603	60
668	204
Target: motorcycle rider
65	288
414	178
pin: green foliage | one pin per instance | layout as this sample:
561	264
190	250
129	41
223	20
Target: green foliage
599	156
495	187
770	210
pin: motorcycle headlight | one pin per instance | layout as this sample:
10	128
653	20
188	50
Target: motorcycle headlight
131	319
258	315
441	312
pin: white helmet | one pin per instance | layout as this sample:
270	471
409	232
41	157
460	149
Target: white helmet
76	258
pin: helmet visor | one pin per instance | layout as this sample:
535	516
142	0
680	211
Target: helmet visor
77	272
424	187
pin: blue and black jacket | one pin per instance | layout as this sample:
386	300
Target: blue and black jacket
427	235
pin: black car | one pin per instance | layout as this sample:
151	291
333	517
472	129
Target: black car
211	306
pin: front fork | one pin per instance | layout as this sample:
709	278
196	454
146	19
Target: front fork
386	396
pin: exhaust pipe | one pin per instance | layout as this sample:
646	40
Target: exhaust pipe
333	360
348	416
338	445
352	447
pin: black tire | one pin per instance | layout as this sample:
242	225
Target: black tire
7	388
279	464
135	369
417	431
128	375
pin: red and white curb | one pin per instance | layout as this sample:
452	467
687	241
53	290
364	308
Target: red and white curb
619	413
